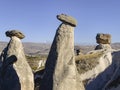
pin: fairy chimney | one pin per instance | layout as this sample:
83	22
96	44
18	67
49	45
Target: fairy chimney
60	70
16	72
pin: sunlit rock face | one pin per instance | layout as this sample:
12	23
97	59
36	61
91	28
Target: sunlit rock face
99	75
114	82
103	38
67	19
105	75
60	70
17	74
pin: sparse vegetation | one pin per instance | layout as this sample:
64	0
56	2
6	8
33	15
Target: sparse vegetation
34	61
88	61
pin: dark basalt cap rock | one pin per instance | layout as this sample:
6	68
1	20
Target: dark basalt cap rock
67	19
14	33
103	38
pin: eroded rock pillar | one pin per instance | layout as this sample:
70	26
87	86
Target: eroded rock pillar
60	70
16	72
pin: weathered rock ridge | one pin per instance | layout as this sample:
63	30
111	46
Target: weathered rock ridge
114	82
105	75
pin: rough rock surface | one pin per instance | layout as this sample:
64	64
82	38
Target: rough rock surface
103	46
15	33
60	72
106	74
103	38
67	19
98	76
16	74
94	76
114	82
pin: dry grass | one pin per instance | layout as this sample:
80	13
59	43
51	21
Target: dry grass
88	61
34	60
90	55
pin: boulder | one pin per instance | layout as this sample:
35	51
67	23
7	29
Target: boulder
15	33
17	72
67	19
60	69
103	38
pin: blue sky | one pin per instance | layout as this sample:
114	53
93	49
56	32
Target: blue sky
37	18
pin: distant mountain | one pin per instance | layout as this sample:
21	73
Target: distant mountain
43	48
115	45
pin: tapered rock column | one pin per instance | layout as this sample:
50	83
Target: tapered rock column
22	71
60	70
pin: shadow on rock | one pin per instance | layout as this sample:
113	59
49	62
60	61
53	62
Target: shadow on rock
99	82
9	79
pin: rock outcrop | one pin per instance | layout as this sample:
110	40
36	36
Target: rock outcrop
114	82
92	68
16	72
98	76
15	33
67	19
103	40
96	67
60	69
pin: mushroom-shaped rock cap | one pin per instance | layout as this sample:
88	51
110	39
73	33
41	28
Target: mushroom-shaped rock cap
14	33
67	19
103	38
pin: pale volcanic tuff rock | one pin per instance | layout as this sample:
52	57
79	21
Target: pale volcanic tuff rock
106	74
114	82
99	75
60	69
17	74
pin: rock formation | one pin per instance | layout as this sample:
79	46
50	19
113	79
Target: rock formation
114	82
96	67
15	33
103	40
16	72
101	73
60	70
